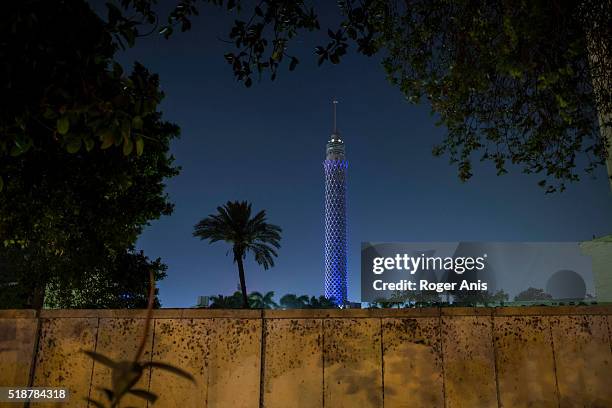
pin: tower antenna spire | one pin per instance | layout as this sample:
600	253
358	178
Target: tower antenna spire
335	102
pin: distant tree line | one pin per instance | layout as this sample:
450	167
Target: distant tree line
532	294
258	300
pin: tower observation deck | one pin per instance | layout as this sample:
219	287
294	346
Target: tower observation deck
335	166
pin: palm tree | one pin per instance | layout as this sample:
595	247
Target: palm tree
259	301
321	303
234	225
226	302
292	301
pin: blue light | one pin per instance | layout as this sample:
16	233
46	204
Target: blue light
335	230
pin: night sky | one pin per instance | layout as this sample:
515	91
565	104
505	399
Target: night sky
266	145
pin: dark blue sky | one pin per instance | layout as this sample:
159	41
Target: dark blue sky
266	145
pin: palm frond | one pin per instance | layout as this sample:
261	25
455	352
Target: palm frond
109	394
149	396
175	370
95	403
100	358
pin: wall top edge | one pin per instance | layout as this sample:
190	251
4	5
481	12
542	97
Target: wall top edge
310	313
17	314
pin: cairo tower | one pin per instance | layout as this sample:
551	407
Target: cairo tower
335	166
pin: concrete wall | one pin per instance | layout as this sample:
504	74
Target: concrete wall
448	357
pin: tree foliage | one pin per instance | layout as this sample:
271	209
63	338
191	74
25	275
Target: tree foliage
257	300
71	206
122	284
424	298
266	301
293	301
511	81
515	83
116	283
321	302
61	85
479	297
227	302
398	299
532	294
75	216
71	221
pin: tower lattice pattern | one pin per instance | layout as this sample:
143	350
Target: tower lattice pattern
335	230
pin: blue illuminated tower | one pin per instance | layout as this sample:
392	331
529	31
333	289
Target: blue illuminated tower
335	166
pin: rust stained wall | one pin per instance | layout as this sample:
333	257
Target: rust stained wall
109	342
352	363
59	359
469	361
582	359
524	351
17	341
293	363
184	343
507	357
234	364
412	362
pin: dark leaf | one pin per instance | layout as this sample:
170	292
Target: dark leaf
107	139
293	64
128	146
89	144
109	394
170	368
100	358
63	125
95	403
137	122
139	145
149	396
166	31
74	145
